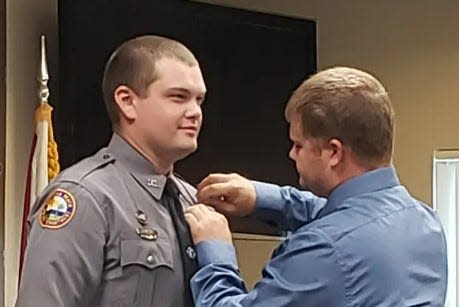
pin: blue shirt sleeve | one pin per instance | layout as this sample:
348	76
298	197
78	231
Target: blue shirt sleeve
286	207
303	272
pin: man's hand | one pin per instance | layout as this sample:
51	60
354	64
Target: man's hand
230	194
206	224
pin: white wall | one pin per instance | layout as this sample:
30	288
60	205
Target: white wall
26	21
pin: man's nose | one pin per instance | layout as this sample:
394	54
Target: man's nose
291	154
194	110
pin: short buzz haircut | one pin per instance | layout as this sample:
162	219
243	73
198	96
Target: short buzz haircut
350	105
133	64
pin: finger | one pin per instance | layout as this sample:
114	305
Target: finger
200	211
220	216
210	208
191	220
213	178
192	209
222	206
207	206
215	191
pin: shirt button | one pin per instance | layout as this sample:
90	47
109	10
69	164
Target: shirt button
150	259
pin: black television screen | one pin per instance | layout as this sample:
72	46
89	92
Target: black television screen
251	62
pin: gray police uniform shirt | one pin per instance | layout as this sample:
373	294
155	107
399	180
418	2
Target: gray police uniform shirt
100	236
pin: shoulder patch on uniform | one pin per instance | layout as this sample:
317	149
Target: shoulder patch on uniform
58	209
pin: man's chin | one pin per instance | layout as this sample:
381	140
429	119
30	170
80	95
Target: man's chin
306	186
185	151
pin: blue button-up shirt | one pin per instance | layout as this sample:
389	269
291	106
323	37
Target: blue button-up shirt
370	244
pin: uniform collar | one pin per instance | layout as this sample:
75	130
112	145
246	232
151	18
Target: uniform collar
372	181
138	166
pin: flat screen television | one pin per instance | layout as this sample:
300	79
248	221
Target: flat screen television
251	63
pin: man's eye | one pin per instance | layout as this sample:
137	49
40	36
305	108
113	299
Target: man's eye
178	97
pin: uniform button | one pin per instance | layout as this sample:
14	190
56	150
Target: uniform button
105	156
150	258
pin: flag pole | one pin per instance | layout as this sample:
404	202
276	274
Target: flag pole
43	164
43	92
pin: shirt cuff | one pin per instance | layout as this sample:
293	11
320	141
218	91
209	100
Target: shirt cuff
269	198
215	252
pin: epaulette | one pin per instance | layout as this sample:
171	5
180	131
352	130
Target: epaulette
87	166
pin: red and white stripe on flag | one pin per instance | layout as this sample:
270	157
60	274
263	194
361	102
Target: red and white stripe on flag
43	166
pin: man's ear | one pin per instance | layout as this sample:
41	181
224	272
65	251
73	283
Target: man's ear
336	148
126	100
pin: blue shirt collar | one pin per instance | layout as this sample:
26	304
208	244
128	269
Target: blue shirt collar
378	179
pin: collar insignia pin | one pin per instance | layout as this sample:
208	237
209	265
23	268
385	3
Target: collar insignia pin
152	183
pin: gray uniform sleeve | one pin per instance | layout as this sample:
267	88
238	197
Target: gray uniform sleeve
63	265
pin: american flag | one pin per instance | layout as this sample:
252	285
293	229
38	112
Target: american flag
43	159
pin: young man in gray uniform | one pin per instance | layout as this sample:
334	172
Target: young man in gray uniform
109	231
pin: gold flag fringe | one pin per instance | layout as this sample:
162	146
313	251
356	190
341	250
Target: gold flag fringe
44	113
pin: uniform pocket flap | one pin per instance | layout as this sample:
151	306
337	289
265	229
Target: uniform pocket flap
146	253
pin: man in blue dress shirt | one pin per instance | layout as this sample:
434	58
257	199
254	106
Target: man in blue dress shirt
358	238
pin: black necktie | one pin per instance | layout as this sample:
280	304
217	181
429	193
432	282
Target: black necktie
190	265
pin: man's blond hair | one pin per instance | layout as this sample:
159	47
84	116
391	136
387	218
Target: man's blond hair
350	105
